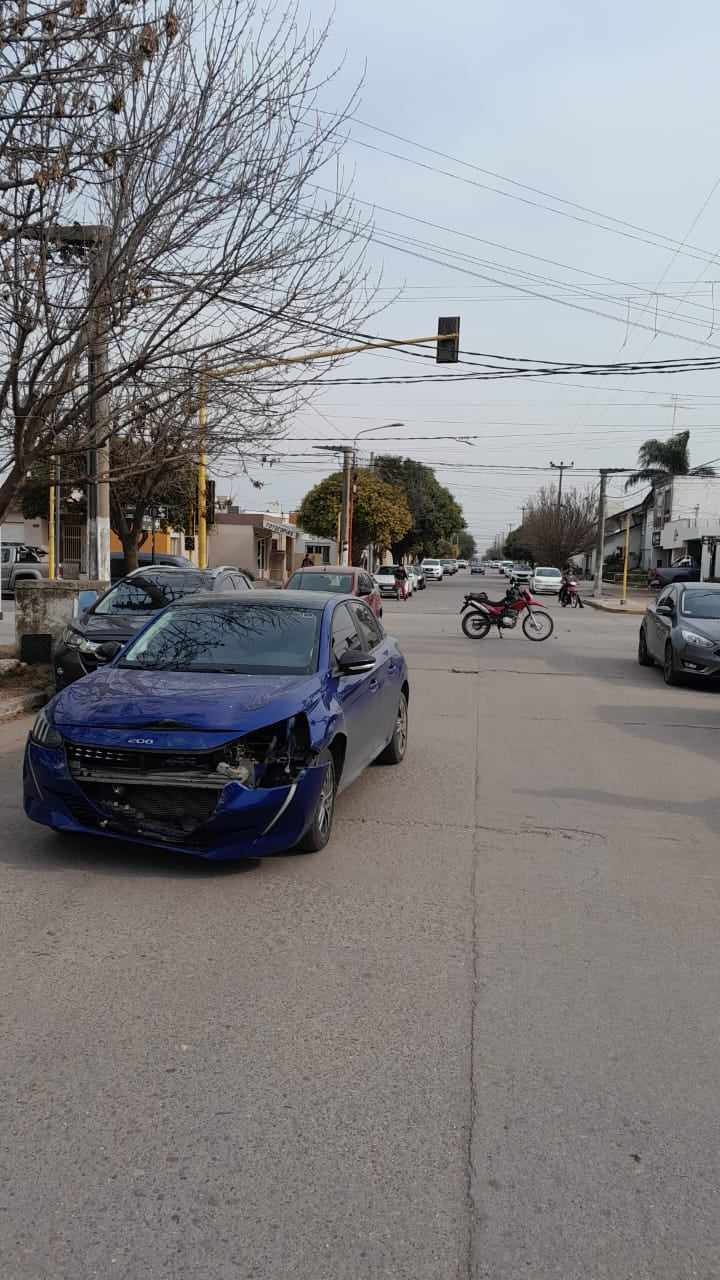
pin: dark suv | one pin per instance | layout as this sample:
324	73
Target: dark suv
126	607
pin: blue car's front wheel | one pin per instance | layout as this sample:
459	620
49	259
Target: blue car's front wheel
394	752
319	831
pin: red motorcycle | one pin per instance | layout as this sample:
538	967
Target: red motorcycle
479	614
569	594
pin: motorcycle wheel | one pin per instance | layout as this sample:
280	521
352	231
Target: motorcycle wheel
475	626
538	625
574	602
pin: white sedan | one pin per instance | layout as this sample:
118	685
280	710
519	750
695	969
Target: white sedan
545	581
387	581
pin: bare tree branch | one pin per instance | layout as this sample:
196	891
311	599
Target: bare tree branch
189	139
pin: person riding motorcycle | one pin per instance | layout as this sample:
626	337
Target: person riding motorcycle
568	588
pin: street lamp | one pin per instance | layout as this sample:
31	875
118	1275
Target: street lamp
386	426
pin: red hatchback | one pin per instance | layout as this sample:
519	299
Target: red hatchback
342	580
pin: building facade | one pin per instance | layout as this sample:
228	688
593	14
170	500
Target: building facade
260	541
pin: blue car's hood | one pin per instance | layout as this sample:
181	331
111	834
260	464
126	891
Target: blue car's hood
116	698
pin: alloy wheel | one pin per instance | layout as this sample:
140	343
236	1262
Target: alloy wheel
326	802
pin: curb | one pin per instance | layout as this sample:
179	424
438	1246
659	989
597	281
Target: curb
19	706
634	611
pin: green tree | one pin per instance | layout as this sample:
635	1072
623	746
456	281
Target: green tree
660	459
516	546
380	512
467	545
435	513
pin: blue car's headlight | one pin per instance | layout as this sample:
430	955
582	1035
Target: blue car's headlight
44	732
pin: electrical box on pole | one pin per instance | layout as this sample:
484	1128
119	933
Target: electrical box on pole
210	501
448	340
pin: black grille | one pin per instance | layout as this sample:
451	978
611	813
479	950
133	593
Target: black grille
142	761
154	809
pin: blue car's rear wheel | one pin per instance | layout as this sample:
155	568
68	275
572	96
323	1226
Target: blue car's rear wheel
320	829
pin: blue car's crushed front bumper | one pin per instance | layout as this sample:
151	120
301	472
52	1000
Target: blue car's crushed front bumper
247	822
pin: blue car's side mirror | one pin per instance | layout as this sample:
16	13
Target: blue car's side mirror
352	663
108	650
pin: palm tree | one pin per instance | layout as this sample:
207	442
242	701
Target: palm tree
660	459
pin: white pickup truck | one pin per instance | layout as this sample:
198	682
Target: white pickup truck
21	563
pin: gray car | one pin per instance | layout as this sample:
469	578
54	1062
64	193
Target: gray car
681	631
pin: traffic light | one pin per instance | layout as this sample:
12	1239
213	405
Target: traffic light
210	502
448	344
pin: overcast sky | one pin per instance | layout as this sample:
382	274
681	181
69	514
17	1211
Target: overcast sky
613	108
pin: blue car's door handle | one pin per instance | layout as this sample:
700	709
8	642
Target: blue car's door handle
373	686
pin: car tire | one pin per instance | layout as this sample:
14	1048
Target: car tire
320	829
670	674
394	752
644	656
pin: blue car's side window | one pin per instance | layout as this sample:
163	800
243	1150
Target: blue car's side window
344	633
371	633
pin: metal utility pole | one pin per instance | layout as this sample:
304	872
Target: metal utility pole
600	539
561	466
346	509
345	515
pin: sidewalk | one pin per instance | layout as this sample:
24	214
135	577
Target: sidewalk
610	604
22	689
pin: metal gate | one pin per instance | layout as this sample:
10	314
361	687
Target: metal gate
73	549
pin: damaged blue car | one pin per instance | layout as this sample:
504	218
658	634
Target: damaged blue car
225	728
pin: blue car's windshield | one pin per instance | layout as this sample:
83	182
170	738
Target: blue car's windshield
252	639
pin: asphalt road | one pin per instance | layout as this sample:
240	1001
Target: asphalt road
476	1037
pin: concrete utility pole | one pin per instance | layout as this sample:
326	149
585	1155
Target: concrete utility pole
98	457
600	540
561	466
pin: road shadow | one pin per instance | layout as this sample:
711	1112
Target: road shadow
672	723
707	811
29	847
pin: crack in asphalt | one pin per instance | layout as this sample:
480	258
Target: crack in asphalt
471	1179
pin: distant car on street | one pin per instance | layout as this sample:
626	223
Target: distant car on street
126	608
145	560
449	566
476	566
505	567
463	566
686	570
546	580
681	632
432	570
340	580
521	574
387	580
